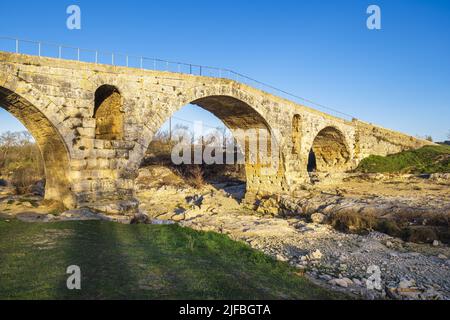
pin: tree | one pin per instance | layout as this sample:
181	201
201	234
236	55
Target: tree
8	140
425	137
20	159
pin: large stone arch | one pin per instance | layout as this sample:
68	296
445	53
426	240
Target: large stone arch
239	110
247	125
330	151
205	94
51	144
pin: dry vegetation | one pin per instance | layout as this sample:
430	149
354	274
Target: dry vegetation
411	227
195	175
21	164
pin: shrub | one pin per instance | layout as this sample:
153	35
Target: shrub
419	234
389	227
23	179
444	235
20	160
195	176
350	221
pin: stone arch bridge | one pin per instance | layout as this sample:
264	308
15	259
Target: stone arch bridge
93	124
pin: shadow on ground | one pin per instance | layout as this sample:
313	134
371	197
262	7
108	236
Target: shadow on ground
139	262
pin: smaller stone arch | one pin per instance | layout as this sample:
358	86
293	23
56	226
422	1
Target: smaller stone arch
329	151
108	113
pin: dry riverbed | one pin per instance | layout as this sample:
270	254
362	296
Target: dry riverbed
294	228
283	228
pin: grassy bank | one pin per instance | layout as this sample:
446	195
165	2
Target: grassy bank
429	159
139	262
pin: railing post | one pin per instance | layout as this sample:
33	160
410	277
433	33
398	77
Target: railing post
17	45
112	58
190	69
127	61
96	56
78	53
142	62
39	48
200	70
60	52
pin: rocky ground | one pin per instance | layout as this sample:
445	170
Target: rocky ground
341	261
294	228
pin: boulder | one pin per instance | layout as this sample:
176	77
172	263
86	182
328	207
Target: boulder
339	282
406	284
315	255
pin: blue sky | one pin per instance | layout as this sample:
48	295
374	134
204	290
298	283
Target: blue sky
397	77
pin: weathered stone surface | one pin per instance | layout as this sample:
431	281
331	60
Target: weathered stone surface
93	124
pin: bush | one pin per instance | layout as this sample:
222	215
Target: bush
389	227
195	176
419	234
350	221
23	179
20	160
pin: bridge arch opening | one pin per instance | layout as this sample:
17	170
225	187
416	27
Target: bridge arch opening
253	137
50	144
329	151
244	128
108	113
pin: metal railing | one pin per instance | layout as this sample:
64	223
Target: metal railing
52	50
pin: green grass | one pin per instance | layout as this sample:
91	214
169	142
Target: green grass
140	262
429	159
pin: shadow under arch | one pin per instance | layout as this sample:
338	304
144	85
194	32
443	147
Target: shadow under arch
329	151
235	113
108	113
51	145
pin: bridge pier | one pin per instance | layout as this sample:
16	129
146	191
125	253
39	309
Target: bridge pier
103	177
